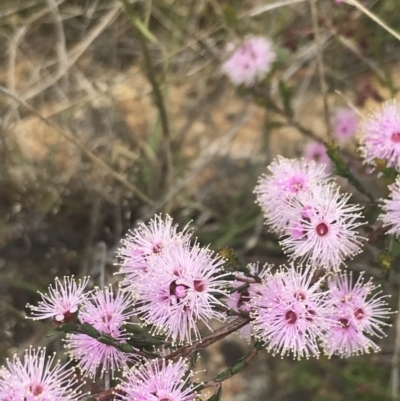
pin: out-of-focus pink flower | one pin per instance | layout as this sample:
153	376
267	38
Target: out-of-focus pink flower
146	242
251	62
180	289
317	152
344	123
356	316
37	378
328	222
391	210
62	301
107	313
156	381
287	179
290	312
381	135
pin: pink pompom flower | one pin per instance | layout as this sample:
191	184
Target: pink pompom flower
146	242
344	123
391	210
322	230
316	151
290	312
381	135
358	313
62	301
37	378
107	313
158	381
251	62
181	289
287	179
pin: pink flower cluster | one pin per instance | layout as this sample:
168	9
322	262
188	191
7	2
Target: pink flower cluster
107	313
158	381
37	378
176	283
317	223
250	62
293	315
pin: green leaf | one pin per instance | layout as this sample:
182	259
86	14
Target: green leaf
90	330
68	328
226	374
126	348
105	340
342	169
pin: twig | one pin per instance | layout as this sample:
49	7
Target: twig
80	146
188	350
320	61
374	17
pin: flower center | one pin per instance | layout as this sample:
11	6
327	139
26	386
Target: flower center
396	137
344	322
157	248
322	229
359	314
36	389
291	317
199	285
178	290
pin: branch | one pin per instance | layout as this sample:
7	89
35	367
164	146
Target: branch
186	351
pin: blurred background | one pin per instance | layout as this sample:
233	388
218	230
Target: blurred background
87	150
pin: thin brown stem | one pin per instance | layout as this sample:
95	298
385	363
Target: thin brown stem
188	350
320	62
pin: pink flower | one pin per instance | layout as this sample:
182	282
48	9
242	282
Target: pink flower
251	62
62	302
316	151
107	313
381	135
288	178
356	316
289	311
159	381
147	242
344	123
37	378
180	289
328	223
391	210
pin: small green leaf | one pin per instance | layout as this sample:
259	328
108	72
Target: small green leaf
105	340
68	328
226	374
126	348
90	330
238	367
